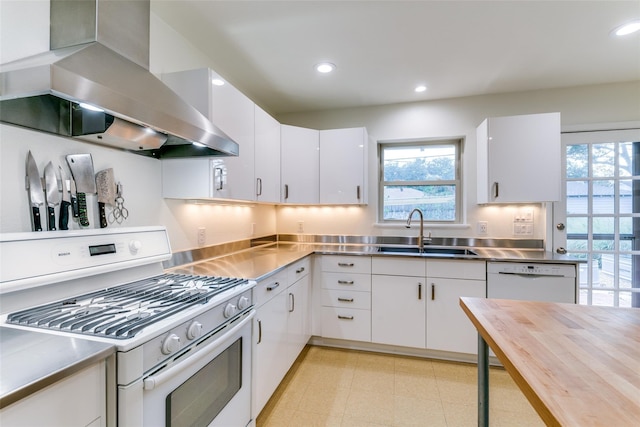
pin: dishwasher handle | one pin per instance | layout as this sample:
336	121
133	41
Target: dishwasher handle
532	276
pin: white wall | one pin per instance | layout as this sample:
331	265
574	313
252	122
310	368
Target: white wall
579	106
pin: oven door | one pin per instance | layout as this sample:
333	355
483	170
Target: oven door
211	387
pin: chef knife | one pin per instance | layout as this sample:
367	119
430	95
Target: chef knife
81	166
63	219
106	186
53	195
36	194
74	198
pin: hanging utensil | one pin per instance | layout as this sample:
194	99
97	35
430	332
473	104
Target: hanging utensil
106	186
36	193
53	195
81	166
65	204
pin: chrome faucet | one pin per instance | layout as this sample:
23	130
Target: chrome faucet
421	237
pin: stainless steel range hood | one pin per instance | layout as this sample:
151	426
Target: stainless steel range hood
100	56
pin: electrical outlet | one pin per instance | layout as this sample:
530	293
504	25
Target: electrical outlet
202	236
300	226
483	227
253	228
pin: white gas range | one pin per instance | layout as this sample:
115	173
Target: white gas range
183	342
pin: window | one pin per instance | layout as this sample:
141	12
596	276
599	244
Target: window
423	175
602	181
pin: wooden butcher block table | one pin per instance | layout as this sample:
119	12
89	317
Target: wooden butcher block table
578	365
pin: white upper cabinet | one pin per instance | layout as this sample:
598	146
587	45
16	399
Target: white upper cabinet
519	159
267	157
299	166
194	178
343	172
231	111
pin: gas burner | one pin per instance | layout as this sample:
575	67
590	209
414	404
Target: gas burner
123	311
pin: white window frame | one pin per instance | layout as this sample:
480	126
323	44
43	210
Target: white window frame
457	181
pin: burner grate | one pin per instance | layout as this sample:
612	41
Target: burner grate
123	311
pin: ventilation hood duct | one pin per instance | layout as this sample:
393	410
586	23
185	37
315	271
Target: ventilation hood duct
100	56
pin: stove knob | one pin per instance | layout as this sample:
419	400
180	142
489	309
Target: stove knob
134	246
243	302
170	344
230	310
194	330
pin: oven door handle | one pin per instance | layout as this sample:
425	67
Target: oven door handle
154	381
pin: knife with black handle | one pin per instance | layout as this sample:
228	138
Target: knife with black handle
65	204
36	193
75	211
81	166
53	195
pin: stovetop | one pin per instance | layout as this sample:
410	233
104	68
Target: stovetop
122	312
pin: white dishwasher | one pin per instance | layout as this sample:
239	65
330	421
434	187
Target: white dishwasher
532	282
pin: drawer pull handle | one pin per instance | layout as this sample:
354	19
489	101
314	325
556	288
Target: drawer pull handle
272	287
345	299
345	317
345	264
300	270
345	282
433	291
419	290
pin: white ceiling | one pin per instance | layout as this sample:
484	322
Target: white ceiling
383	49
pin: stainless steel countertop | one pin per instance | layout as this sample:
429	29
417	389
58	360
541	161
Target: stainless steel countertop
32	360
260	262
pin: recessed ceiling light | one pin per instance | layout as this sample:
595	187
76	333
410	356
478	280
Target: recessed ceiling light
217	82
420	88
628	28
325	67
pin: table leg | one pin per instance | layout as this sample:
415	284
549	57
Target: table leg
483	382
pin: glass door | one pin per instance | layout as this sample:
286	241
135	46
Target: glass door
599	218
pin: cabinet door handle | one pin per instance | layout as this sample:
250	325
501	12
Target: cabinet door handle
358	192
496	187
292	299
419	290
345	299
259	331
258	186
433	291
345	264
345	317
300	270
345	282
286	191
272	287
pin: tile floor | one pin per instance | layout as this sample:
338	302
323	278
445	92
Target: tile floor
336	387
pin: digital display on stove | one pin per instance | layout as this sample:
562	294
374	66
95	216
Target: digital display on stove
102	249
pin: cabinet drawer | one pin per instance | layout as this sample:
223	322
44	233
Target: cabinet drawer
298	269
474	270
346	299
346	323
346	281
351	264
270	287
398	266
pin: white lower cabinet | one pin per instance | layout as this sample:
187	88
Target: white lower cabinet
78	400
281	328
398	310
416	302
346	297
448	327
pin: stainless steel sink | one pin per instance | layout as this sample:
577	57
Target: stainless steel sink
427	250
